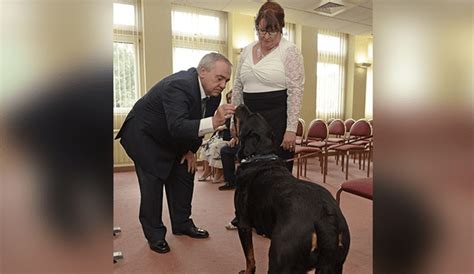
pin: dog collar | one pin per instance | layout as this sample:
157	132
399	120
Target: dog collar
259	158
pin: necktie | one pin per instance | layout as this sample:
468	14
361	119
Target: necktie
203	106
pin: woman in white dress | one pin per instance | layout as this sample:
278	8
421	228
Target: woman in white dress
270	79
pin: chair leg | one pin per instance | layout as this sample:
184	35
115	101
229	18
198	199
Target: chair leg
338	196
321	163
305	165
347	165
325	167
297	167
368	162
343	156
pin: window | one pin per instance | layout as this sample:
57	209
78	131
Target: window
330	84
124	14
126	55
125	75
196	32
187	58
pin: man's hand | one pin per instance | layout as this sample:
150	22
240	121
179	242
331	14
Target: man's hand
189	157
289	141
222	113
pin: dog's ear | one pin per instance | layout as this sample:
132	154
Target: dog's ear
242	112
248	139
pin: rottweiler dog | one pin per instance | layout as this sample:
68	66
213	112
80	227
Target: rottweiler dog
302	219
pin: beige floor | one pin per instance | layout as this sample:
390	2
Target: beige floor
221	252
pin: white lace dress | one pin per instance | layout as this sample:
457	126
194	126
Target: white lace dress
211	150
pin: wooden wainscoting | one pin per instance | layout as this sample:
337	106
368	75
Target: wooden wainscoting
121	160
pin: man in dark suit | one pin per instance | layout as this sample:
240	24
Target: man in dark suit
162	133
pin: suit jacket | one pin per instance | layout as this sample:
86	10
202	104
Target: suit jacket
163	125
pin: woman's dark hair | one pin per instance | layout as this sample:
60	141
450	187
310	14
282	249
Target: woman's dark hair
274	16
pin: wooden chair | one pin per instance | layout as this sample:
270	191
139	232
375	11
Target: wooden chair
348	123
317	133
359	141
300	131
359	187
329	121
337	132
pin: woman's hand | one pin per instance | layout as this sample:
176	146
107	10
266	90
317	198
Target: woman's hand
233	142
289	141
191	161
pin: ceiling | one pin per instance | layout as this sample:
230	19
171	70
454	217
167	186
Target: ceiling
353	16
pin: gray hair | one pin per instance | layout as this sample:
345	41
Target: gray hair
207	62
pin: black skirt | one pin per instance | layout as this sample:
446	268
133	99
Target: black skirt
272	106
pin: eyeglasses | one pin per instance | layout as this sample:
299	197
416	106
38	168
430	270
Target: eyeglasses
262	32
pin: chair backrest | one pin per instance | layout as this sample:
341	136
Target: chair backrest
317	131
349	122
301	127
337	127
329	121
361	128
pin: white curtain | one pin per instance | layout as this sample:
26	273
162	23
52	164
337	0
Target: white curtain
369	94
331	67
196	32
289	32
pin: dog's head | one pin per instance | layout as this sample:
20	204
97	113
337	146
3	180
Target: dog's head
255	134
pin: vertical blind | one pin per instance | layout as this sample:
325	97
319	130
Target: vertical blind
369	95
196	32
331	67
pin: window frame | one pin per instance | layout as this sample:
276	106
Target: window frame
131	35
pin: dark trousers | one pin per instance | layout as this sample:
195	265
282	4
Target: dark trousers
179	193
228	163
272	106
228	156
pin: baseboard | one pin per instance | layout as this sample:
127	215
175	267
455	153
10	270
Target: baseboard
124	168
128	168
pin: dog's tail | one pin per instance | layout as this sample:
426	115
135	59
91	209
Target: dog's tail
329	245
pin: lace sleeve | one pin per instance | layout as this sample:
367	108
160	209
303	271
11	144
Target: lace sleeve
294	73
237	91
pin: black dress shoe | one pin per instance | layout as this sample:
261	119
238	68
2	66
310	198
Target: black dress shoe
227	186
193	232
160	246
